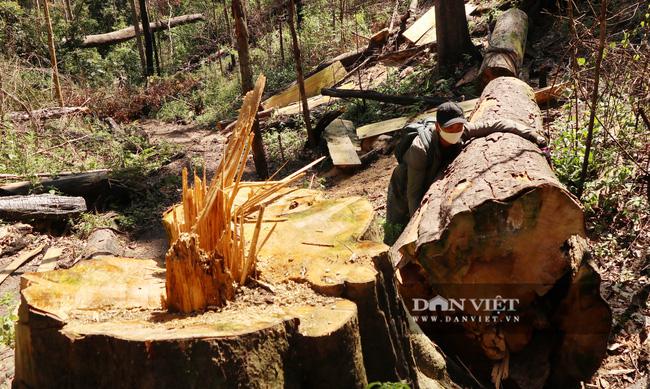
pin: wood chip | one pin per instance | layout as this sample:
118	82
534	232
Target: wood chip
50	259
339	144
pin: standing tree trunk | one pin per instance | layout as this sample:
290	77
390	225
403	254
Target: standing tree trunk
281	40
65	11
157	53
169	32
227	19
452	34
594	96
50	42
68	8
138	37
157	50
312	137
246	71
148	38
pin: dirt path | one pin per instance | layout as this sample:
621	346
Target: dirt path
199	142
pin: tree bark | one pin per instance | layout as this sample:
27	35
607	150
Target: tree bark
68	10
312	139
505	53
384	98
90	185
148	37
281	40
55	69
157	54
323	312
125	34
452	34
45	206
138	37
246	71
497	222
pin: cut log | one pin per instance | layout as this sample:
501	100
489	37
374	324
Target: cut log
88	185
125	34
328	315
421	27
313	84
423	31
50	259
341	149
497	224
382	97
552	92
347	59
507	45
46	113
44	206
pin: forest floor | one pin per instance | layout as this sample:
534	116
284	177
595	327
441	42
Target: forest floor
623	262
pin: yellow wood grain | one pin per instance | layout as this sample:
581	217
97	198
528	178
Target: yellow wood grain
323	79
339	144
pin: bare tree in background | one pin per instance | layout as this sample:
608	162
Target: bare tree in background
246	71
452	34
138	37
148	38
50	42
312	138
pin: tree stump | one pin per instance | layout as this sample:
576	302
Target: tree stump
495	226
506	48
322	312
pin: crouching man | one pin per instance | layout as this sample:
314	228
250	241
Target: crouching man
426	148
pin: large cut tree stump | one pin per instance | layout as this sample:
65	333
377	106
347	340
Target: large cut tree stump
497	224
505	53
322	312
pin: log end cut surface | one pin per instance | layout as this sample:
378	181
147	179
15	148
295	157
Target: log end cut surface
502	224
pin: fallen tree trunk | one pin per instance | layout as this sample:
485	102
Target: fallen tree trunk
323	312
497	225
125	34
45	206
507	45
382	97
45	113
347	59
88	184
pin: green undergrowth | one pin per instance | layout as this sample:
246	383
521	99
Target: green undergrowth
7	320
616	205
